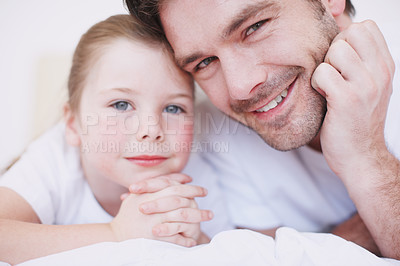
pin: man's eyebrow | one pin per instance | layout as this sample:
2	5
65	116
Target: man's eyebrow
182	62
245	14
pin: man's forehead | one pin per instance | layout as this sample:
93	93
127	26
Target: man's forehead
182	25
189	11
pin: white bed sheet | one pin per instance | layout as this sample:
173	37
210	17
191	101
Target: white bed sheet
235	247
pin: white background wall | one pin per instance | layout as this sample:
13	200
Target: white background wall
37	41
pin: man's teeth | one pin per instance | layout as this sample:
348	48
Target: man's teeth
274	103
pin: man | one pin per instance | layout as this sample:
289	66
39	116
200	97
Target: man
283	69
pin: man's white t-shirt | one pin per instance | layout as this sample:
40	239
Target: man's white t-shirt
265	188
49	177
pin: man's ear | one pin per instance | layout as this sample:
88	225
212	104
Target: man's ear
71	126
336	7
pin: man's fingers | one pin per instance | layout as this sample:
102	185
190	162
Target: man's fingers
166	204
381	42
362	41
369	43
326	79
344	59
158	183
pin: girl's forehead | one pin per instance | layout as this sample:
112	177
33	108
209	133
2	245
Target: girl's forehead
126	62
131	69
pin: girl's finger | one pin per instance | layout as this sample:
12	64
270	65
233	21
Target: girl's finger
186	191
179	239
159	183
188	215
166	204
124	196
170	229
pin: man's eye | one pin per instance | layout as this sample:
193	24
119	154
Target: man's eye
255	27
122	106
205	62
173	109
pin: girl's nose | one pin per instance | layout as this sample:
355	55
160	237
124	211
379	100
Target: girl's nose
150	129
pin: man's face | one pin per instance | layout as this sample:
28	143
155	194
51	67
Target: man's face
254	59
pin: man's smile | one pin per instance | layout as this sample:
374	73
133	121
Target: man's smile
277	101
274	103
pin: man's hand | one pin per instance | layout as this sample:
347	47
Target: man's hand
356	79
355	231
164	209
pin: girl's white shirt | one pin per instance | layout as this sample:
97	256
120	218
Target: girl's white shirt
49	177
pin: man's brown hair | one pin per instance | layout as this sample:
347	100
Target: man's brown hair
147	12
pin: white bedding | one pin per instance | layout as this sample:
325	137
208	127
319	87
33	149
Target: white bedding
235	247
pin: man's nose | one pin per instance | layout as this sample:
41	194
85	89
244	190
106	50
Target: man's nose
150	129
242	74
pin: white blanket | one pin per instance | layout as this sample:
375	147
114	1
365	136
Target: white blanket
236	247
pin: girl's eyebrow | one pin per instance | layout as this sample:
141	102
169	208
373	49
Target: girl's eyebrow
123	90
132	91
180	95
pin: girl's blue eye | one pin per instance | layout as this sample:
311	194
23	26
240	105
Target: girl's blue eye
122	106
173	109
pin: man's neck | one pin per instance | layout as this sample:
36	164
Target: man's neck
343	21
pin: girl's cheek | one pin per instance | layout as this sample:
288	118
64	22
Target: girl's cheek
184	139
183	125
104	134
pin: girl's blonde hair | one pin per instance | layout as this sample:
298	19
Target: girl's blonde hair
96	38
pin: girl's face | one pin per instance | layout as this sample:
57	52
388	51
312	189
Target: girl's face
136	116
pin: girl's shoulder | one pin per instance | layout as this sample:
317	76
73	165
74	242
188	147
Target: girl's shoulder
48	155
53	137
48	170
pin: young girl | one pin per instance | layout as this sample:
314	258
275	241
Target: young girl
129	118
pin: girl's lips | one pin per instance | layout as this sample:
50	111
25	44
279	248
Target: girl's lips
147	160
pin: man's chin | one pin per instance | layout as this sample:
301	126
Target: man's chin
285	137
290	142
293	137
